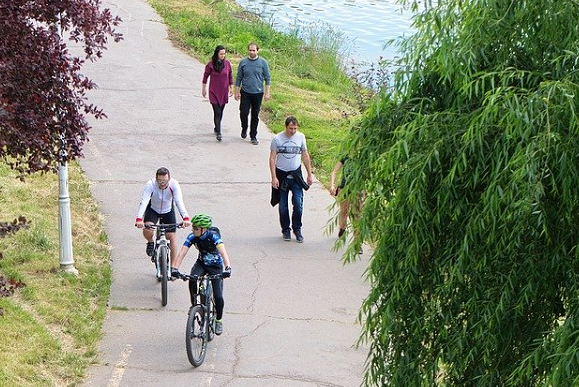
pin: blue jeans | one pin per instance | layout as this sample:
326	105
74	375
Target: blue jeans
298	206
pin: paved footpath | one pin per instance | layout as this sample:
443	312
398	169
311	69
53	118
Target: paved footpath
290	312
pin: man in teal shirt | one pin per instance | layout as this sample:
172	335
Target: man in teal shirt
252	72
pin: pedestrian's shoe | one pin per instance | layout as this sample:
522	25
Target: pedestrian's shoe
341	232
244	133
254	141
286	235
150	248
218	327
360	251
218	137
299	236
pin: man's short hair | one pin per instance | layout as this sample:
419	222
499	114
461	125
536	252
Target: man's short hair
291	120
162	172
253	44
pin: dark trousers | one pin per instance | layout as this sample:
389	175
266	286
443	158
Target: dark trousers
250	102
199	269
298	206
217	116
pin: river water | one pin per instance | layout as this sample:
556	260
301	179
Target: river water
365	25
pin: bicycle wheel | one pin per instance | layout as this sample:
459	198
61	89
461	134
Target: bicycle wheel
163	260
196	336
212	313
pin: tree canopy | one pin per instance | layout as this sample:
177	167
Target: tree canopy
471	168
42	91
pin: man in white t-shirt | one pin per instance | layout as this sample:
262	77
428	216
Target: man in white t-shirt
287	151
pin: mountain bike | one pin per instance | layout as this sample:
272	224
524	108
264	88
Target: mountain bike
201	318
162	255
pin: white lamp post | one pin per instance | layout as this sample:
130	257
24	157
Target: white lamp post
64	223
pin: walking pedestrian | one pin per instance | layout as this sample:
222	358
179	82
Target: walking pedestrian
252	72
220	76
345	209
287	150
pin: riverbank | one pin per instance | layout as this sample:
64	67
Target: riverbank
308	79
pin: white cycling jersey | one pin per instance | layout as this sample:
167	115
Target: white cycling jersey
162	199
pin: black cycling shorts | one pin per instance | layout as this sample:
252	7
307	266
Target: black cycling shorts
153	216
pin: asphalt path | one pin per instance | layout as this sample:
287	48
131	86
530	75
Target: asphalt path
290	308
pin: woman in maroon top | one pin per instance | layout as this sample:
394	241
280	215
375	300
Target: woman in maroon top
220	85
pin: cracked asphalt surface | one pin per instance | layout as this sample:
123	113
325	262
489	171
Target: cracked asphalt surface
290	309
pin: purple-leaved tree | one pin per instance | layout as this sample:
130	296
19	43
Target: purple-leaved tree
42	91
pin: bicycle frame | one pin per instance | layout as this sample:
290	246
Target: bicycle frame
162	255
204	297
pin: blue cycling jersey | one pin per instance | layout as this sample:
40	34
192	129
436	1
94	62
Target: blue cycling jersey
207	246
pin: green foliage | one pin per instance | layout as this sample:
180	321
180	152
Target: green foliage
471	169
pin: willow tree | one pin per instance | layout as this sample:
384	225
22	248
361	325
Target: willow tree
471	168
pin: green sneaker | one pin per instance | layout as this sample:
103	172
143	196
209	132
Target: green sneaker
218	327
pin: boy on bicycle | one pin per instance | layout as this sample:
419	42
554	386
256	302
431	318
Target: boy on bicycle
211	259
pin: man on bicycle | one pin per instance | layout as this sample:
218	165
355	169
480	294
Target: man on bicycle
156	205
211	259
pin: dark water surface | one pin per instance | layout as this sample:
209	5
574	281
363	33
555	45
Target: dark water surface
364	24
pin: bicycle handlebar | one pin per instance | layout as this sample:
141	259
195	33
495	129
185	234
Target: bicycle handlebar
187	277
163	226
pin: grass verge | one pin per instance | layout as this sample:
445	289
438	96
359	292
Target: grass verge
308	78
52	326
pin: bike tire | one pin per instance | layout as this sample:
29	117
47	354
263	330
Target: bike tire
212	313
196	336
163	261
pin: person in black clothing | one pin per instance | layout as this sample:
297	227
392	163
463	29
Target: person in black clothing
211	259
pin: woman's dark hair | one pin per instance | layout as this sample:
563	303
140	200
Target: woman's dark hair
217	64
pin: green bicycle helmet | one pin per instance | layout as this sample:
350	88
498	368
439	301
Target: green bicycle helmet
201	220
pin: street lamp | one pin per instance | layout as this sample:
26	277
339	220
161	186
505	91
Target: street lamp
64	224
